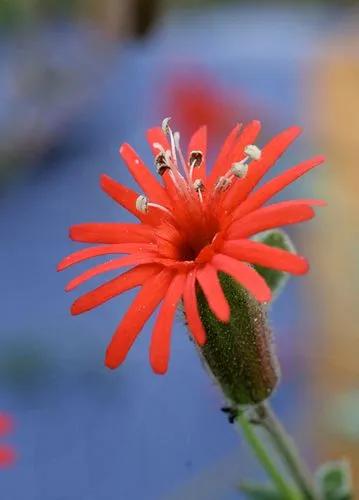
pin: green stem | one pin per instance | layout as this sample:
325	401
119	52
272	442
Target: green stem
286	449
261	453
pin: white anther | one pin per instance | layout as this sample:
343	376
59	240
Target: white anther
239	169
222	184
165	125
253	152
142	204
198	185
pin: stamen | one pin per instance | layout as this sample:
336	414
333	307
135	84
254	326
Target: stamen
142	204
239	169
165	125
161	163
222	183
160	207
253	152
199	187
176	137
196	158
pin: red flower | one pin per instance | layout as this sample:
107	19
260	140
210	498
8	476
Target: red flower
7	453
189	228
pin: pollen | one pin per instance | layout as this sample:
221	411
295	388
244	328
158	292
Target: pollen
253	152
142	204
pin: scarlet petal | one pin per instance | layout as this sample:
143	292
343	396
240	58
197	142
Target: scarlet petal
161	336
111	232
155	136
264	255
248	136
111	265
279	214
198	142
130	279
235	151
143	176
222	160
274	186
208	279
270	154
123	195
245	275
136	316
87	253
191	309
7	456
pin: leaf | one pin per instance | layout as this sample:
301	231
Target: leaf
259	492
334	481
276	280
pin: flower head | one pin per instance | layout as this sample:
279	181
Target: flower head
191	226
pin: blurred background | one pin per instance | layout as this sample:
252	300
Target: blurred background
79	77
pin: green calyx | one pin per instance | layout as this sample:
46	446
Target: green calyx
240	354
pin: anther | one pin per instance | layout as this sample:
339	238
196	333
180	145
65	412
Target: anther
222	184
195	159
142	204
253	152
165	125
198	185
161	163
239	169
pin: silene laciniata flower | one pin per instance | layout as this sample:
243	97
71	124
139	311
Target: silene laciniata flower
194	224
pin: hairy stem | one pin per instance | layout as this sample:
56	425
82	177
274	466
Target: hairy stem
284	445
264	458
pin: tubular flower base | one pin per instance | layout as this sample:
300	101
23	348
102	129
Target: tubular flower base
192	226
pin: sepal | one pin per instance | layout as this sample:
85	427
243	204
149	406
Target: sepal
276	280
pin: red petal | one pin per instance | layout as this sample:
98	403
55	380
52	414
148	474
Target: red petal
264	255
89	252
136	316
111	265
248	136
123	195
223	156
130	279
274	186
279	214
236	150
257	169
111	232
198	142
161	336
156	135
245	275
149	184
208	279
191	309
